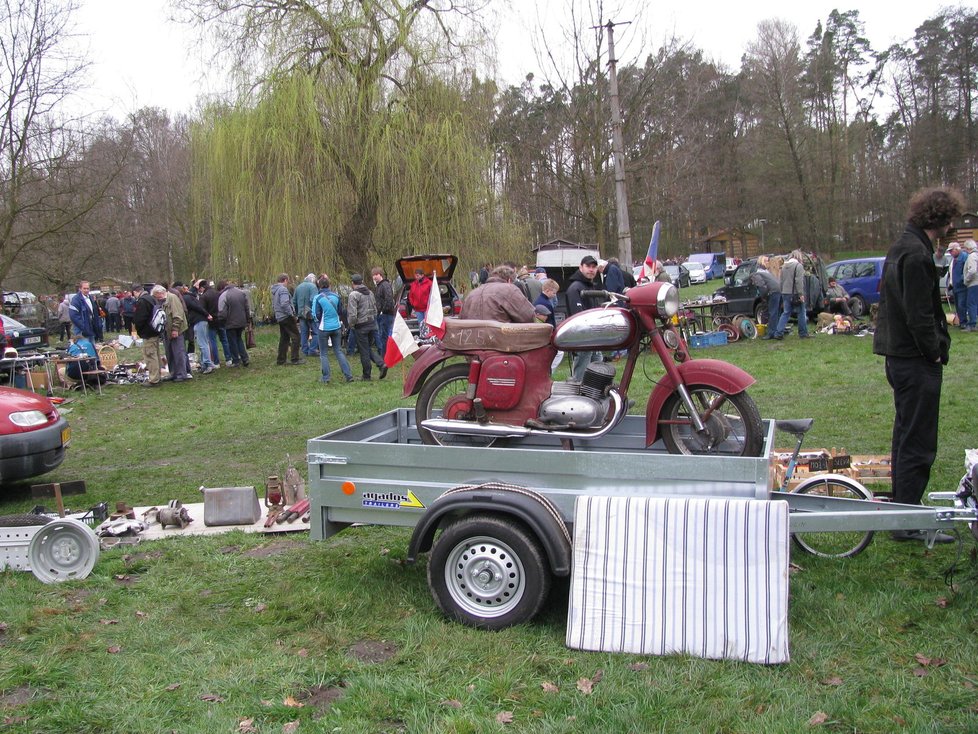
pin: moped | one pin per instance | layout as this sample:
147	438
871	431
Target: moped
503	389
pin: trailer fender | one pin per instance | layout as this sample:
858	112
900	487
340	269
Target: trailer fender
529	507
710	372
425	362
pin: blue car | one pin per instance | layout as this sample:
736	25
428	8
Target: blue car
861	279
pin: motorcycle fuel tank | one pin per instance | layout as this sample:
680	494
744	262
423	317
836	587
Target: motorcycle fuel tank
597	328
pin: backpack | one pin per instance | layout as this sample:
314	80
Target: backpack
158	320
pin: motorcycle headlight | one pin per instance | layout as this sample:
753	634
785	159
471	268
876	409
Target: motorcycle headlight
667	301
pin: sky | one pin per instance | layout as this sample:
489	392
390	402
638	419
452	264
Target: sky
141	58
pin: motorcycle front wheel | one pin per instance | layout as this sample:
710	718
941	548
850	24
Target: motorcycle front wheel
440	394
732	424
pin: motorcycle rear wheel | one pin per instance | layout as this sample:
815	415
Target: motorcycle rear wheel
449	382
734	426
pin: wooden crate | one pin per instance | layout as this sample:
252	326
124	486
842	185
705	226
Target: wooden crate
812	463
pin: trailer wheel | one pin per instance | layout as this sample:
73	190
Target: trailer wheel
488	572
842	544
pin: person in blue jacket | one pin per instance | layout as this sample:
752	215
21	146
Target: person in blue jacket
85	319
326	313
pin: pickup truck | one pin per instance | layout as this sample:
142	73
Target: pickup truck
505	513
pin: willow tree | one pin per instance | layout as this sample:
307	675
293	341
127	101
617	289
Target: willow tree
356	141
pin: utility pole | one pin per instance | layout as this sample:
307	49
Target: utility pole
618	149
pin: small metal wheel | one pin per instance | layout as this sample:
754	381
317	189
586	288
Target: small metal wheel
63	550
733	333
748	329
840	544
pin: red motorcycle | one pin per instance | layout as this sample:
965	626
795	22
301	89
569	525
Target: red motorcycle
504	388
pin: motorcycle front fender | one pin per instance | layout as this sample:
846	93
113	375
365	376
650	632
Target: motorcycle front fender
422	367
712	373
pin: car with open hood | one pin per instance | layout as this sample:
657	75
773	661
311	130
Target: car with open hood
443	268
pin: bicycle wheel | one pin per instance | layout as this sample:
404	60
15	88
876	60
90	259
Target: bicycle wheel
841	544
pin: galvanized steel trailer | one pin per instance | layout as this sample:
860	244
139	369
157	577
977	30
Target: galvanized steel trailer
506	512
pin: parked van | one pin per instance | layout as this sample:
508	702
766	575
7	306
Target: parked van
715	263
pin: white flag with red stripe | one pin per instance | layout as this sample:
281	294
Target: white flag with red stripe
434	318
400	343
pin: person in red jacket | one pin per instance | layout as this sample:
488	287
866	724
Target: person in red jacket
418	293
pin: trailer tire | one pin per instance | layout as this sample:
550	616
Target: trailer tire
488	572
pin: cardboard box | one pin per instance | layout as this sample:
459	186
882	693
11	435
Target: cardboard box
39	378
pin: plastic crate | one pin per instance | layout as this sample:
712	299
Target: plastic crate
709	339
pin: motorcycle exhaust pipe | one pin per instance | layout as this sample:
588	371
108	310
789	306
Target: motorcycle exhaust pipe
504	430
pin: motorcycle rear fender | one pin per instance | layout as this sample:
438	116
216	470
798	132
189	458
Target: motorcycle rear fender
714	373
422	367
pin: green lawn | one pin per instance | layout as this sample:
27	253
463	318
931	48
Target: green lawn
241	633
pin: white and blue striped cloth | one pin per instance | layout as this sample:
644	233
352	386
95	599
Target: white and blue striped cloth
661	576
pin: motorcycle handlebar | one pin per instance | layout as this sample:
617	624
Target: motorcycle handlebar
608	295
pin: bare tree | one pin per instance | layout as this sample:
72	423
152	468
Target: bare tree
38	151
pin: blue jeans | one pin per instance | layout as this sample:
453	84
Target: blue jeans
325	337
213	334
961	305
972	306
202	337
239	355
309	337
773	310
800	311
385	325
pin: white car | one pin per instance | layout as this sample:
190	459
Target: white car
697	271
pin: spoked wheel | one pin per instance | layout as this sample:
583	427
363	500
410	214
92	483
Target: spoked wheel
63	550
443	396
488	572
842	544
732	424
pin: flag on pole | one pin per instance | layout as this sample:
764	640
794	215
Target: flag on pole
400	343
651	267
434	319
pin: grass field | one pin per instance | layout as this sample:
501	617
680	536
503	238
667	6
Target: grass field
241	633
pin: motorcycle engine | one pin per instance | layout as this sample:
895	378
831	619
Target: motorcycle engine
579	405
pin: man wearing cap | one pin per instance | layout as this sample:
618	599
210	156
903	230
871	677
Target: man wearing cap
581	281
911	333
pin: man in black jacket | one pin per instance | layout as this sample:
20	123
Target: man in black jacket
384	295
142	318
911	333
581	281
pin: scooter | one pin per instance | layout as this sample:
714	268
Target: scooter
503	389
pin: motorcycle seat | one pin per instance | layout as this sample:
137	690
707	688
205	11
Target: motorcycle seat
475	334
